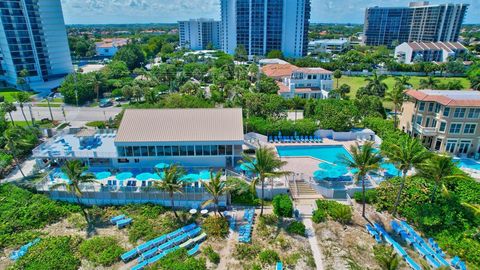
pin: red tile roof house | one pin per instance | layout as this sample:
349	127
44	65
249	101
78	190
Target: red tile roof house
302	82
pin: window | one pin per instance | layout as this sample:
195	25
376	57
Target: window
214	149
198	150
455	128
151	151
446	111
144	151
206	150
430	106
469	128
191	150
128	151
474	113
443	125
160	152
183	150
427	122
434	123
450	146
168	150
221	150
459	113
437	108
175	151
136	151
419	120
421	106
121	151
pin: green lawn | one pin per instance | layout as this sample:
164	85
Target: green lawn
8	93
45	104
357	82
41	125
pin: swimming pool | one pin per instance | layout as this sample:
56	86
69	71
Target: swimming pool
329	153
468	163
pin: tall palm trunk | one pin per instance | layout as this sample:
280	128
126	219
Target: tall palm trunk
263	193
363	197
434	192
24	116
85	214
11	118
395	119
50	109
399	194
14	155
173	205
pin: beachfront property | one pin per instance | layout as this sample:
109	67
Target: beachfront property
33	38
108	47
199	34
302	82
261	26
200	140
328	46
420	21
445	121
412	52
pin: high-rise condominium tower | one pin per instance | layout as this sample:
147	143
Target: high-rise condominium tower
199	34
265	25
33	38
420	22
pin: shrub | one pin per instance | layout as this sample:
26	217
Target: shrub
212	256
246	251
319	215
296	227
268	256
268	219
242	193
140	229
336	211
103	251
77	221
216	226
370	196
179	260
282	205
96	124
51	253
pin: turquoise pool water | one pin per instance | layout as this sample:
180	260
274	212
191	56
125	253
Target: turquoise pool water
468	163
330	153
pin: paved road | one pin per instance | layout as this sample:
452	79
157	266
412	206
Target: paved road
73	114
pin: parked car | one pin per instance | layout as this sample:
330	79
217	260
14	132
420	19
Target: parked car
105	103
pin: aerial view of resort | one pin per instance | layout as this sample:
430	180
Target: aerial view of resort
239	135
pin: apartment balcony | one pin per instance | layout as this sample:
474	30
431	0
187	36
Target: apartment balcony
426	131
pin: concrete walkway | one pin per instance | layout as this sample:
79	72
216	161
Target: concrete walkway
312	239
27	168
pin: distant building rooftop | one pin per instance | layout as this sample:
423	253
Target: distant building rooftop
286	70
339	42
448	46
448	97
271	61
181	125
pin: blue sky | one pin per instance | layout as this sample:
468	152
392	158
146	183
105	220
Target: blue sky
161	11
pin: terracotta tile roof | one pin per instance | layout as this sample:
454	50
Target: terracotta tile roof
456	98
181	125
313	71
278	70
448	46
283	88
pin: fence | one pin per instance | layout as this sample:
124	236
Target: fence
400	73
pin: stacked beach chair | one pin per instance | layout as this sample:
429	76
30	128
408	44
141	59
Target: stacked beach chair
188	237
121	221
294	139
245	231
17	254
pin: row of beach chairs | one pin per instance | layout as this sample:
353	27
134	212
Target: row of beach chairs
294	139
155	249
17	254
121	221
432	253
245	231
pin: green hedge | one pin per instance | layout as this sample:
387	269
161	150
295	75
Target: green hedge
287	127
370	196
216	226
179	260
336	211
282	205
103	251
296	227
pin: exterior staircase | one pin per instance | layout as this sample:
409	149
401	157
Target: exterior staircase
302	191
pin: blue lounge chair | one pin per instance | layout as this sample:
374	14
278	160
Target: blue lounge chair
194	250
124	223
455	261
174	234
412	263
189	227
373	233
279	266
432	261
144	247
129	255
165	246
148	254
311	139
275	139
462	266
140	266
158	241
114	220
156	258
194	233
270	140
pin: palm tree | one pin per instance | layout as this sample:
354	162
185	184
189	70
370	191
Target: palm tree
96	80
364	160
376	84
407	154
475	83
403	81
253	71
22	98
264	165
397	97
429	83
386	257
75	171
217	188
438	168
172	182
337	74
9	107
14	140
22	78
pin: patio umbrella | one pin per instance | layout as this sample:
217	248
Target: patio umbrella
390	168
103	175
62	175
155	176
144	176
162	166
124	176
326	166
320	174
247	166
190	178
205	175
